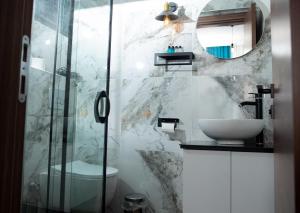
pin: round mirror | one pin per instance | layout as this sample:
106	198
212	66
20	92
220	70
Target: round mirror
229	29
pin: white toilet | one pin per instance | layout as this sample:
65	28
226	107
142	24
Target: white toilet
83	186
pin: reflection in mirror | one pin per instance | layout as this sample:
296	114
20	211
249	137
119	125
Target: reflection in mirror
228	33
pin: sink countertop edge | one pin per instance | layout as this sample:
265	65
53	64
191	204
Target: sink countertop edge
232	148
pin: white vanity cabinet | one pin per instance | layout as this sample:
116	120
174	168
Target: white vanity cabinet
228	182
206	181
252	182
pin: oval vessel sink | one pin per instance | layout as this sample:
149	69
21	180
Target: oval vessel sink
231	131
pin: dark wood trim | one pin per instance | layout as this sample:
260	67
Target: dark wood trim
295	24
15	20
221	20
227	19
252	16
286	76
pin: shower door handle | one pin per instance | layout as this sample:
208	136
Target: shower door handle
102	115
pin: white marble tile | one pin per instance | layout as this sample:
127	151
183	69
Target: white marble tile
143	101
210	101
43	38
214	91
149	160
39	96
156	97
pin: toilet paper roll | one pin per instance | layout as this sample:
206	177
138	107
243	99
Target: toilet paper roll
168	127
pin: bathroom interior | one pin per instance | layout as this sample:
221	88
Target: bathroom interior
149	106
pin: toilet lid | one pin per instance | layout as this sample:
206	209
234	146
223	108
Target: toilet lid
80	168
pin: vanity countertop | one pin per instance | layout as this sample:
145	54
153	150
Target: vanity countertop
247	147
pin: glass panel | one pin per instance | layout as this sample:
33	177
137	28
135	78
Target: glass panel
64	146
89	60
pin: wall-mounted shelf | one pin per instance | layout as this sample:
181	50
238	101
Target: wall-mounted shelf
169	59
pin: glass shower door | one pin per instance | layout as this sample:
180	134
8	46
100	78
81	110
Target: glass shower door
67	107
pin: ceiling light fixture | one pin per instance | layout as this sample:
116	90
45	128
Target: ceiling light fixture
167	15
182	19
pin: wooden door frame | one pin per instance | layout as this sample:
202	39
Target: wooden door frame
286	75
15	21
295	35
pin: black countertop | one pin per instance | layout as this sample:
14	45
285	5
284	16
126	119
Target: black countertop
250	147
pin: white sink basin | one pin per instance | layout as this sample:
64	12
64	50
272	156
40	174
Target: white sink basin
231	131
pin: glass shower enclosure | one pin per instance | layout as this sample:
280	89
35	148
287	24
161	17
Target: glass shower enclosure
67	107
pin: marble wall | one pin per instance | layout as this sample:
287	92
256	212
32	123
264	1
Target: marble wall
149	160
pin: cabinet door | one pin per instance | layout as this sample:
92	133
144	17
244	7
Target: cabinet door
206	181
252	183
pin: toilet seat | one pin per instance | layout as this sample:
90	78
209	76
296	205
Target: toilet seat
80	169
83	184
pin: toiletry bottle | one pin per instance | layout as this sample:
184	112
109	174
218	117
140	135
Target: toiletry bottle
173	49
169	49
180	49
176	49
